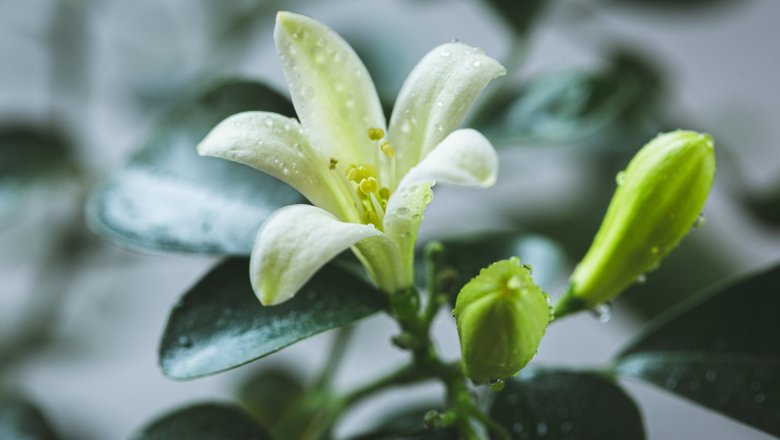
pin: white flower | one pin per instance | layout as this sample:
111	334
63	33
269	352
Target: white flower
369	184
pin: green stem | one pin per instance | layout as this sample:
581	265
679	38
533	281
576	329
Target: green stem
408	374
336	356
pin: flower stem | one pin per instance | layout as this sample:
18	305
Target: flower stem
335	357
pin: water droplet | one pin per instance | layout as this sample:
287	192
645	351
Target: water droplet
322	42
476	63
541	428
517	427
671	383
415	217
184	341
759	398
308	92
440	128
299	35
311	295
497	385
406	127
641	279
694	385
620	178
603	312
566	427
440	104
446	54
269	122
710	376
654	250
700	220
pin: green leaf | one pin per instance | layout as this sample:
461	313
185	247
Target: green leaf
519	14
719	349
676	4
565	405
271	393
408	424
467	256
219	324
169	198
205	421
765	206
573	106
29	155
21	420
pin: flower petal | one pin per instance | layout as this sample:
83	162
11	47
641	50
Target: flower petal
435	98
293	244
464	157
331	89
276	145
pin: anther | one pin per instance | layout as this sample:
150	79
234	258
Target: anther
384	193
387	149
368	185
333	162
376	134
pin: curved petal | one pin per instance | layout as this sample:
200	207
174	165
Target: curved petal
464	157
276	145
293	244
436	97
331	89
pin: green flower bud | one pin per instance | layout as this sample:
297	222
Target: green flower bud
658	199
501	316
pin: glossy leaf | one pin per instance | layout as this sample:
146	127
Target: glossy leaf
408	424
519	14
169	198
21	420
719	349
572	106
219	323
467	256
559	404
29	155
676	4
205	421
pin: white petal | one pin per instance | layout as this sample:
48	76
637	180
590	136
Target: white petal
435	99
293	244
276	145
330	87
464	157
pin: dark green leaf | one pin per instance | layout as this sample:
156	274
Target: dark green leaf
765	206
205	421
677	4
469	255
519	14
169	198
571	107
28	155
20	420
271	393
719	349
561	405
219	324
408	424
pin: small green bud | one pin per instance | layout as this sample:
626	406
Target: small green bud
658	199
501	316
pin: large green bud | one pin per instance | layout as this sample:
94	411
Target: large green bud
658	199
501	316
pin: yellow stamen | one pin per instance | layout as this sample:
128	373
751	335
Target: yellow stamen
376	134
369	185
366	171
384	193
352	173
332	164
387	149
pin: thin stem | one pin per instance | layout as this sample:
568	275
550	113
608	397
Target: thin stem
335	357
408	374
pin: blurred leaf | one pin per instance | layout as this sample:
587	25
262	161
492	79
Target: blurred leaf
205	421
765	206
29	155
169	198
676	4
20	420
570	107
408	424
219	324
719	349
467	256
520	14
565	405
270	393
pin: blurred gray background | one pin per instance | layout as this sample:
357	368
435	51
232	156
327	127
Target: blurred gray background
118	66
